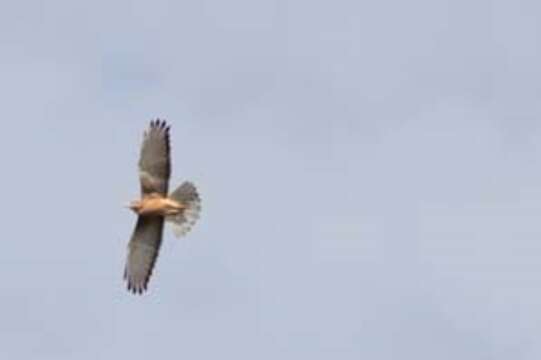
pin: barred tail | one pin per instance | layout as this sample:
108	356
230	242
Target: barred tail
187	195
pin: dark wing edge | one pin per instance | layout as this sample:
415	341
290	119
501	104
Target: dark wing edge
143	251
154	161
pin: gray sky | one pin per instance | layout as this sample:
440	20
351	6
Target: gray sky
370	174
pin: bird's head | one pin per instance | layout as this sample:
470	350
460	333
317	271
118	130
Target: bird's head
135	206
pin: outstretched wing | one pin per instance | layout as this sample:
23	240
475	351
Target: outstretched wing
143	251
154	163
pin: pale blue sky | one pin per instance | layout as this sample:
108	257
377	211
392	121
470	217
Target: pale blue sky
370	175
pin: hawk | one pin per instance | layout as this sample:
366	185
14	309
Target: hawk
180	208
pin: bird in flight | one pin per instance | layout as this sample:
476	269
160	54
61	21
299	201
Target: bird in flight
155	207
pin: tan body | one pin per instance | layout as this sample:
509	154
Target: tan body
155	204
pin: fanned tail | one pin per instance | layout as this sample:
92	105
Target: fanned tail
187	195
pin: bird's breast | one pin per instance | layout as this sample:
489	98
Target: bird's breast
152	206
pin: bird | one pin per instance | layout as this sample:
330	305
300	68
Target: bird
156	207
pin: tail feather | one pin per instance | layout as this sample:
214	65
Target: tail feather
187	195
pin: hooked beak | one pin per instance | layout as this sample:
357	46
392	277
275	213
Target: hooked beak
130	206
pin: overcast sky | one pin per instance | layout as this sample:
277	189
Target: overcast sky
370	175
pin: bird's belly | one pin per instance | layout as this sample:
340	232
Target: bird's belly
153	207
158	207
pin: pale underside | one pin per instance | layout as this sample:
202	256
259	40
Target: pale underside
156	205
